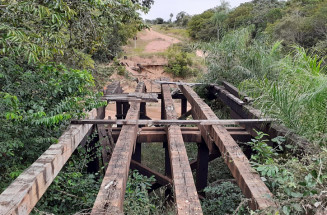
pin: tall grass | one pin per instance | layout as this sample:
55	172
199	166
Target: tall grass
236	58
291	88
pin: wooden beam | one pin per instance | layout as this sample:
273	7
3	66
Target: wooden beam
141	97
249	112
144	170
186	197
158	134
22	194
112	191
194	163
202	166
173	122
190	134
233	90
247	179
185	115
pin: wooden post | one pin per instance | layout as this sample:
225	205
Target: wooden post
137	155
126	107
119	111
183	106
202	166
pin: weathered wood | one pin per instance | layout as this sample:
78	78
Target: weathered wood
248	112
186	196
137	155
248	180
185	115
175	96
141	97
173	122
111	195
158	134
233	90
178	83
93	165
211	157
144	170
183	106
23	193
105	144
202	166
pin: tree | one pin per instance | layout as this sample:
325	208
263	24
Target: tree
182	18
201	27
220	16
48	51
171	17
159	20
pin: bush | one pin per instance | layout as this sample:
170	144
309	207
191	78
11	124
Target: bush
179	63
137	200
221	199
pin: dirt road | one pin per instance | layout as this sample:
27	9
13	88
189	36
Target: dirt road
152	43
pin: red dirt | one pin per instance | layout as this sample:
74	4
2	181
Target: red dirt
155	42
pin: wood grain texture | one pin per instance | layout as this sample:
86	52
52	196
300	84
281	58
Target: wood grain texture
186	197
247	178
112	191
22	194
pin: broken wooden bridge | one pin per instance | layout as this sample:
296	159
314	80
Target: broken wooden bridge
121	149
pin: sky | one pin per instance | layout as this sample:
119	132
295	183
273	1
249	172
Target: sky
163	8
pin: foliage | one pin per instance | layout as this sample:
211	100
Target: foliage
35	107
200	27
179	62
74	189
137	200
221	199
304	24
297	183
182	19
292	89
48	56
65	30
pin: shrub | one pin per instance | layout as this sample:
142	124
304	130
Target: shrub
221	199
179	63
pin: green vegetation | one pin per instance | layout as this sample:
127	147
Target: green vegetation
50	72
179	62
275	52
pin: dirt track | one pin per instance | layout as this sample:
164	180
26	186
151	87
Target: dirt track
155	42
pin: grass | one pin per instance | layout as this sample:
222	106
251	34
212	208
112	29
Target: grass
178	33
292	88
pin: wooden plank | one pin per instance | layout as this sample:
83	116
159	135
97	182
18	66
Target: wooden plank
233	90
186	197
178	83
112	191
142	97
23	193
173	121
248	112
144	170
248	180
158	134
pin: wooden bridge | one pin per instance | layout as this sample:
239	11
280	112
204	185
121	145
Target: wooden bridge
122	148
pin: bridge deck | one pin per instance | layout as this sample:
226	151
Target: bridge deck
212	137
